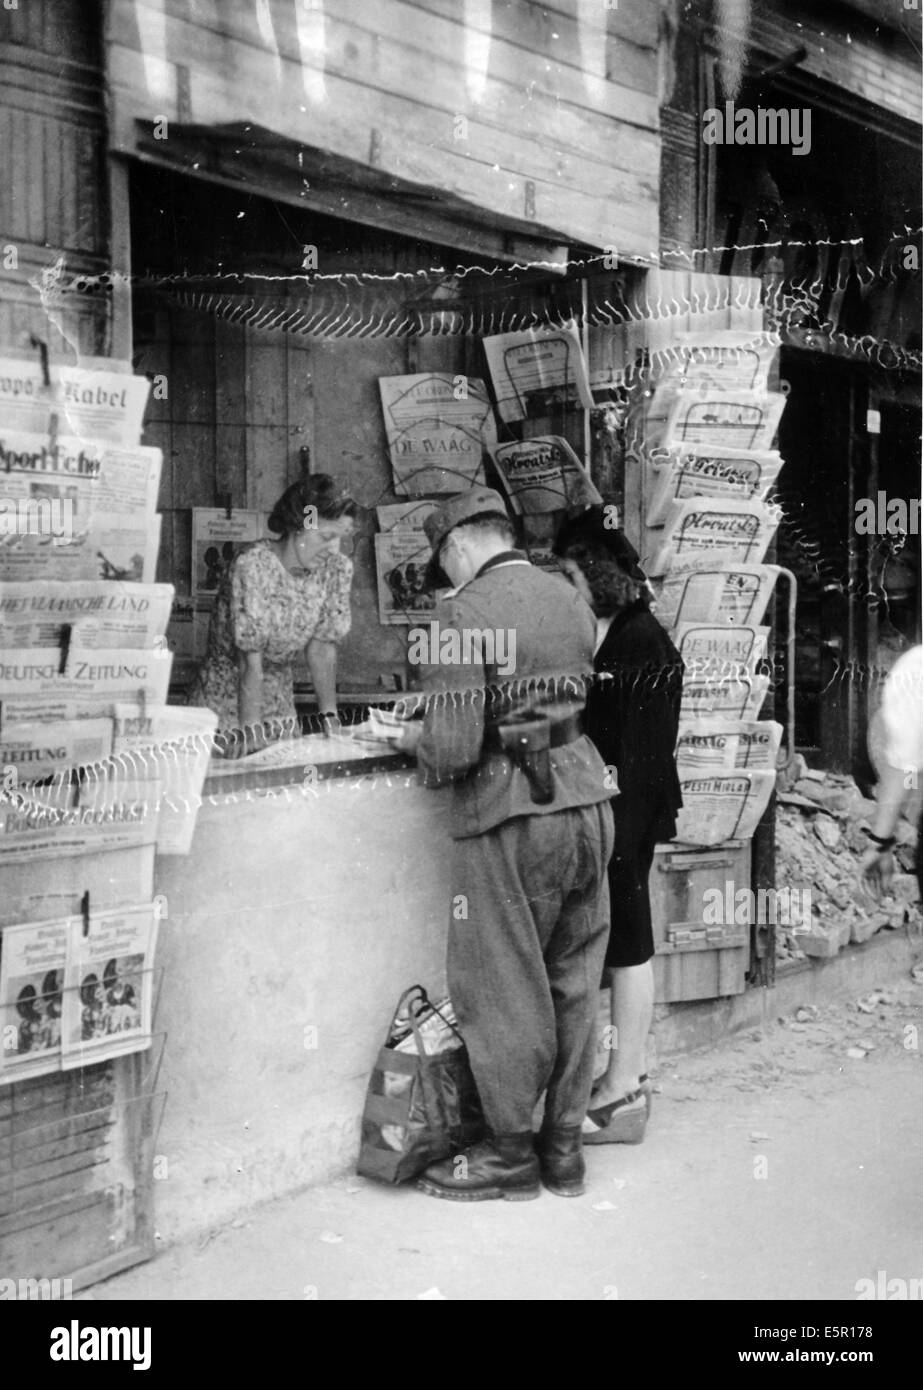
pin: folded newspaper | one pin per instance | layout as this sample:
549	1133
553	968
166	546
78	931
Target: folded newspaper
699	471
737	695
700	533
718	594
33	686
99	400
99	613
722	806
543	475
721	745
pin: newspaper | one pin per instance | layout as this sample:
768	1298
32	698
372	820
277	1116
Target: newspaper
710	364
720	647
32	829
703	472
114	547
733	695
48	492
99	401
216	538
721	745
129	479
724	594
722	806
401	558
108	985
29	752
404	516
535	369
98	613
33	959
543	475
437	427
699	533
171	744
732	419
33	687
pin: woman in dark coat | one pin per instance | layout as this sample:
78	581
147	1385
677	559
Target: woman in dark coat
632	715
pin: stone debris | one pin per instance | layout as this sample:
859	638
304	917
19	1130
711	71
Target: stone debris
819	847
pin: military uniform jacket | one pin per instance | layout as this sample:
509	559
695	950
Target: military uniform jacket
518	633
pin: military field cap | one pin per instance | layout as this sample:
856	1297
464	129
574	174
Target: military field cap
589	528
477	501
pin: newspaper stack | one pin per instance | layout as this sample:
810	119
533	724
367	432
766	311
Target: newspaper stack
710	469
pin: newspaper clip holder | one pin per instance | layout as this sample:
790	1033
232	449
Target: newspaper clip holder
85	912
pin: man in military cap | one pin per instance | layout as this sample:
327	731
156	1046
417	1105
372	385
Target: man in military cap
533	833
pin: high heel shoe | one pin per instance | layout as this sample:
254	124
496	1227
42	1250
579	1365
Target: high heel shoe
622	1122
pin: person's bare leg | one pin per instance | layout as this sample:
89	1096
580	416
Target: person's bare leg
632	1010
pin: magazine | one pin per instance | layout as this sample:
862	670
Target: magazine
404	516
401	558
216	538
108	984
33	961
543	475
437	427
535	369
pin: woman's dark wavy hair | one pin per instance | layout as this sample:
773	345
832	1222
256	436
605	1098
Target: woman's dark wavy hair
611	587
314	490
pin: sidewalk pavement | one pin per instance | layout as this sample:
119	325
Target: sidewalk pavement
779	1165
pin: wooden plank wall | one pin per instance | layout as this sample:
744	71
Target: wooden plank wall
240	404
51	134
844	51
542	115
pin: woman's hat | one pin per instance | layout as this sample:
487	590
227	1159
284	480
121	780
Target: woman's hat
592	528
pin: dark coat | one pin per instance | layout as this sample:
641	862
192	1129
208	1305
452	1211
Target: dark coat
632	716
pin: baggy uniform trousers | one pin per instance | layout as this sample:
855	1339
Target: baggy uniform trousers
525	963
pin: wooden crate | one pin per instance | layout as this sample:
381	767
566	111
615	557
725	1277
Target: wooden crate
679	879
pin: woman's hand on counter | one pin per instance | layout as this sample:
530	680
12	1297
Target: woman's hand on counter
239	743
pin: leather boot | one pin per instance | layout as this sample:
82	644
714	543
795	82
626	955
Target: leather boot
560	1155
501	1165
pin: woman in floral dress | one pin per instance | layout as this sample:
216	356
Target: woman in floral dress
278	598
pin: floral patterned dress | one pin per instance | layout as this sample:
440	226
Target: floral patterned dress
262	607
